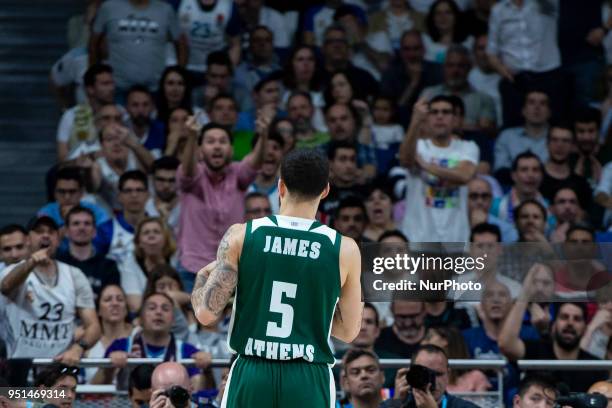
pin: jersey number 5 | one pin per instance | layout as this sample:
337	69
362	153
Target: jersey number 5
277	306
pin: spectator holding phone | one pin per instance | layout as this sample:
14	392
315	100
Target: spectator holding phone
413	390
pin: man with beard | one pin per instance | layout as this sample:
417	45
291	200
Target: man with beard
47	296
80	231
479	107
407	331
350	218
266	182
586	128
165	201
566	211
213	190
527	179
531	221
362	379
300	111
557	170
567	329
150	132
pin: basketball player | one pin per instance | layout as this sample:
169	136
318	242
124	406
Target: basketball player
297	281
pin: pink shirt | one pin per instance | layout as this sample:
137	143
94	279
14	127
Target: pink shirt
208	208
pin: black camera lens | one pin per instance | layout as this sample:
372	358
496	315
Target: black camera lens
178	396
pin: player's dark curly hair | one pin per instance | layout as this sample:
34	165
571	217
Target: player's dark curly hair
305	172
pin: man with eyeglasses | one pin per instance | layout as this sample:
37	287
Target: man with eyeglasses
435	395
440	167
116	236
479	107
69	192
46	298
480	198
164	202
362	379
558	171
407	331
256	205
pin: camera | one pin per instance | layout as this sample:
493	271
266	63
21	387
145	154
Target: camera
178	396
582	400
419	376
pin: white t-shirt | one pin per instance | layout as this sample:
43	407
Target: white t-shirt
435	211
40	316
385	135
133	278
205	30
276	22
436	52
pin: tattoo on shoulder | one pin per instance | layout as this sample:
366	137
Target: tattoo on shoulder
214	293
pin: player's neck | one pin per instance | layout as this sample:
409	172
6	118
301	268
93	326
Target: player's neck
307	209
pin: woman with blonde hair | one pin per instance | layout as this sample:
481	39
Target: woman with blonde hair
153	246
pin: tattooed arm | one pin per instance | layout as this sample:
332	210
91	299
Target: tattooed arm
216	282
347	317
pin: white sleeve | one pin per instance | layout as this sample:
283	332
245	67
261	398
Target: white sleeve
605	183
130	273
82	289
471	152
65	126
62	72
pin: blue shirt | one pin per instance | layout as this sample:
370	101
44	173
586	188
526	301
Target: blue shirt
508	231
155	141
53	210
104	234
186	351
482	347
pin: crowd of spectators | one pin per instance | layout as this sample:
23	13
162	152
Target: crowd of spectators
443	121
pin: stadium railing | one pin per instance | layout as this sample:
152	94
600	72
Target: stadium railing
487	398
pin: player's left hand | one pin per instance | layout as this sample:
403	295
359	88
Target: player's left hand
424	399
205	271
70	357
202	359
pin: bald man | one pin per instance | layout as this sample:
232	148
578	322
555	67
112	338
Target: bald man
165	376
603	387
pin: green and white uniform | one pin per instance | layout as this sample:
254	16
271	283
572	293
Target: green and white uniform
288	288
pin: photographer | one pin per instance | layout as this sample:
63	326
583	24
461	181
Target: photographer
434	362
63	379
171	387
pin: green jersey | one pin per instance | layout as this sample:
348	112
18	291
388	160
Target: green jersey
288	288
